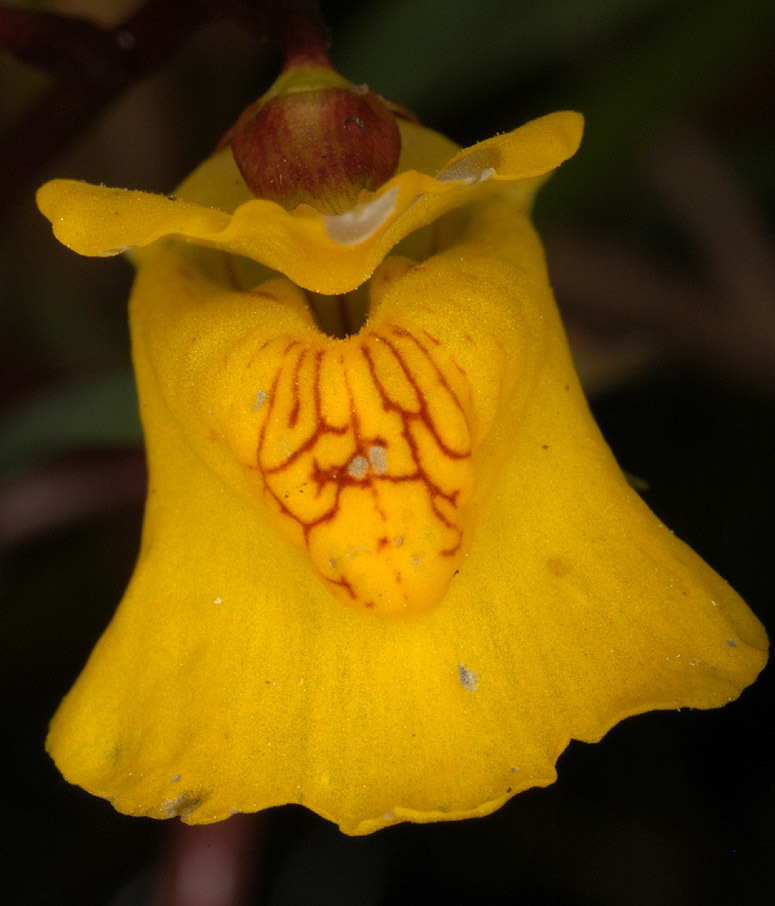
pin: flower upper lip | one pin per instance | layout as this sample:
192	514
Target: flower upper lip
326	253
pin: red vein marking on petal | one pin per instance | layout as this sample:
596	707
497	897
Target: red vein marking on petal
316	470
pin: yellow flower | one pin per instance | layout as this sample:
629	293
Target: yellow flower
387	576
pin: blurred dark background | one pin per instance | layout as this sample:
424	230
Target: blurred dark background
659	235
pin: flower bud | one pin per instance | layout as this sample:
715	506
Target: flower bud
320	145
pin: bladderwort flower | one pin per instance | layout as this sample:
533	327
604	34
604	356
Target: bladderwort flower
389	567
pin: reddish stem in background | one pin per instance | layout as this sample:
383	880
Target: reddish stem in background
92	65
78	487
213	864
296	27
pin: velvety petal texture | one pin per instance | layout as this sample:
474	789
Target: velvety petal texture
388	577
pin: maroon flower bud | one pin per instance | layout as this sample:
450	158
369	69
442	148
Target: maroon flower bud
320	147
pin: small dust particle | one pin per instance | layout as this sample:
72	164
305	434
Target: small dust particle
468	679
175	779
260	399
181	806
218	601
398	541
732	643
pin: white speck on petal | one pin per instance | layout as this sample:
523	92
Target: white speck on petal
358	467
362	221
378	459
260	399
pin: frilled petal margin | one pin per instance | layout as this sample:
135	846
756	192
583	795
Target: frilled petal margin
324	253
231	679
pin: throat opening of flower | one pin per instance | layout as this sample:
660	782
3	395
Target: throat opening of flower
340	316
